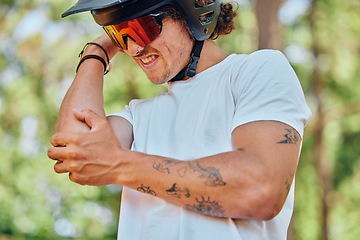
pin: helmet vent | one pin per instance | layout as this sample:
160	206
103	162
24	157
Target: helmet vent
206	18
203	3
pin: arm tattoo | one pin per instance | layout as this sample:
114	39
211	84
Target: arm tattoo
207	207
212	175
287	185
147	190
165	165
291	136
177	191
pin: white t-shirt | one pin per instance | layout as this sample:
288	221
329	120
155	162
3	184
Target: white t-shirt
195	119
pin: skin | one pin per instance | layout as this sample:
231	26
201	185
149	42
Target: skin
250	182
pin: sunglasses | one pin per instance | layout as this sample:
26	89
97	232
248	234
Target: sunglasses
142	30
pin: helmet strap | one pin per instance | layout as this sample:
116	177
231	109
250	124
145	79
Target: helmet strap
190	70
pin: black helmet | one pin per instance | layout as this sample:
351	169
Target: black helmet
200	20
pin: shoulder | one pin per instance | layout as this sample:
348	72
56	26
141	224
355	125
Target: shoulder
267	64
260	67
135	103
269	60
267	56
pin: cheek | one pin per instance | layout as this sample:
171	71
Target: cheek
180	50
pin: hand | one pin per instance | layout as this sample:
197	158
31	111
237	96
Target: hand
91	158
104	40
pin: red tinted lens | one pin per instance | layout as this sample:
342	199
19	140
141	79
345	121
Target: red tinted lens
142	30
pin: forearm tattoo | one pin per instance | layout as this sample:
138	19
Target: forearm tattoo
177	191
165	165
291	136
212	175
145	189
207	207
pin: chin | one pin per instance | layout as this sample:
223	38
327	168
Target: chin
158	80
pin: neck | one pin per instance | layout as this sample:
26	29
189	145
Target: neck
211	55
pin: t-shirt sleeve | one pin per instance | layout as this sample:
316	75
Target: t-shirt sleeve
266	87
125	113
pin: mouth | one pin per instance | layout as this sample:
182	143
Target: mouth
149	59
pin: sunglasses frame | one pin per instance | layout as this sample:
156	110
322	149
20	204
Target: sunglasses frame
157	17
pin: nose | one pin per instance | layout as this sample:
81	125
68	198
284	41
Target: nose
133	48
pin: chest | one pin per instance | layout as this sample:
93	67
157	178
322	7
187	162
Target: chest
188	124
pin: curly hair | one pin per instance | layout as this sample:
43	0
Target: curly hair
224	25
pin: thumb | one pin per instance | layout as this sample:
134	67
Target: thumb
88	116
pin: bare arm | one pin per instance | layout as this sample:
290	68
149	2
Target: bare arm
250	182
86	91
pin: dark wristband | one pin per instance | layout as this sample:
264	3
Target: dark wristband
94	57
106	64
96	44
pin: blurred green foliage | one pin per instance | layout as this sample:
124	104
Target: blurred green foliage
38	55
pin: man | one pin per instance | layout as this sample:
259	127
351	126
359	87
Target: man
215	157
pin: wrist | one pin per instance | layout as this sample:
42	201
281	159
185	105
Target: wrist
91	49
124	175
95	52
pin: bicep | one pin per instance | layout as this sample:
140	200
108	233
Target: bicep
275	145
123	130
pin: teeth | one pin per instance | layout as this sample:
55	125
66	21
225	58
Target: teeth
148	59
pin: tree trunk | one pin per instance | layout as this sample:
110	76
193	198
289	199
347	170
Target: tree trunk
270	30
323	167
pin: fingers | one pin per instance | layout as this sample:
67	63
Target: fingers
63	139
61	167
55	153
57	140
67	161
89	117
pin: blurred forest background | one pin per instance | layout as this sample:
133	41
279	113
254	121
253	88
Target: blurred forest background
38	56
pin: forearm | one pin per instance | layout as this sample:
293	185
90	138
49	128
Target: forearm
223	185
86	91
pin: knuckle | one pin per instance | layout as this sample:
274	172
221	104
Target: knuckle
53	140
75	139
87	111
74	167
72	154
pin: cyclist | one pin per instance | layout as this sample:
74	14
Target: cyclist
215	156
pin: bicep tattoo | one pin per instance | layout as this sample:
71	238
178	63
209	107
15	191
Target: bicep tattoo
291	136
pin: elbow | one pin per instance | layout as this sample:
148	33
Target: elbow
267	205
262	206
267	210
